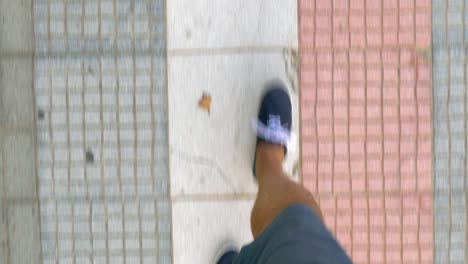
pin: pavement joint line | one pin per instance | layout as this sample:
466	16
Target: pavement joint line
205	196
180	52
17	201
213	197
72	54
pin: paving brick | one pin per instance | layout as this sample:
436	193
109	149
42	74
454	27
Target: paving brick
324	182
306	5
324	170
344	236
327	203
323	5
341	148
307	23
390	38
341	185
358	39
323	21
309	185
377	221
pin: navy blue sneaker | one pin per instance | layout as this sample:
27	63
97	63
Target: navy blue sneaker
227	253
274	117
228	257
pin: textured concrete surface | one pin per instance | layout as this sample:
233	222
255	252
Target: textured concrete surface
366	124
19	214
16	68
228	50
220	223
16	28
227	24
217	156
19	164
450	130
3	231
100	88
23	233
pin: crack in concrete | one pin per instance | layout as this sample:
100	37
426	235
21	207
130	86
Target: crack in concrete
203	161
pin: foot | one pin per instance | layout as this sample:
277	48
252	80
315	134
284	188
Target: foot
274	118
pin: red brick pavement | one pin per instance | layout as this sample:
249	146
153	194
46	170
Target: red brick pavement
366	124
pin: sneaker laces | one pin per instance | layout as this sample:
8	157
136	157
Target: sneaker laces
273	132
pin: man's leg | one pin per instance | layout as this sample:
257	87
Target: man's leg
276	191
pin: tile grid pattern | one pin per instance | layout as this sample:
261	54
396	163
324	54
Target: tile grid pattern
100	86
450	130
366	124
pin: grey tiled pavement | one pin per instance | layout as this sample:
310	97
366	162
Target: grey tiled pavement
100	89
450	39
